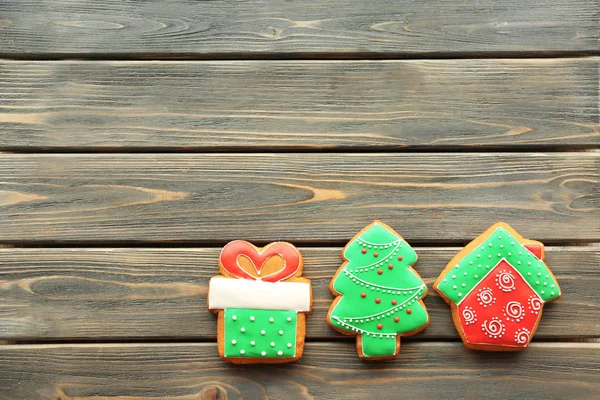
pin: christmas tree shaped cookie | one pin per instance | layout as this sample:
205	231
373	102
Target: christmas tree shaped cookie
379	294
497	286
261	301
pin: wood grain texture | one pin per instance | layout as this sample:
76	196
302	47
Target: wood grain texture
246	27
113	294
327	371
317	198
300	105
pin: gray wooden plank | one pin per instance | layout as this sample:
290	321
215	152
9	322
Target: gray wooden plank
108	293
183	28
327	371
317	198
507	103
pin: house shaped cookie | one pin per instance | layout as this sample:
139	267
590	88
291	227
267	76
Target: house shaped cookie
497	287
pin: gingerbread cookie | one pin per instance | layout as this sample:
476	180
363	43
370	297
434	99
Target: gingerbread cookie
379	294
497	286
261	302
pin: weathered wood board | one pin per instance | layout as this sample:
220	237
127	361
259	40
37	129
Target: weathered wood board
317	198
138	137
315	105
105	293
327	371
275	27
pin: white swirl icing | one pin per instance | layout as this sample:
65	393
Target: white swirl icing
535	303
514	310
485	297
505	281
493	328
469	316
522	336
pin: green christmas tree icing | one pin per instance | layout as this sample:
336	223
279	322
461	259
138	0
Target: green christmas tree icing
380	292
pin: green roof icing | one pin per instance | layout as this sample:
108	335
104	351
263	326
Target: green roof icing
470	270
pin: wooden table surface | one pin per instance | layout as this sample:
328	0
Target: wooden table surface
138	137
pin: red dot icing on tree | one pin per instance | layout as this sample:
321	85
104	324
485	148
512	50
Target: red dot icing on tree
379	271
364	251
375	254
396	319
379	326
408	311
378	300
363	295
399	258
394	302
391	266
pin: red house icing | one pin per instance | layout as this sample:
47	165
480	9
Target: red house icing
501	310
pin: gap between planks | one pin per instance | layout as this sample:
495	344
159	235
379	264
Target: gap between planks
197	341
586	148
321	56
124	245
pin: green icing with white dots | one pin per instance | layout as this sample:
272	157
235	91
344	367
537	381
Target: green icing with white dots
469	271
253	333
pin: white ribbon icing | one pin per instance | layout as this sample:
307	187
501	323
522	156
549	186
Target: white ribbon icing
242	293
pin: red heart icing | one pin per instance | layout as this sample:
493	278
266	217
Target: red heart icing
233	250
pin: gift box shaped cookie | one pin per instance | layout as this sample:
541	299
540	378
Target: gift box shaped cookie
497	286
261	302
